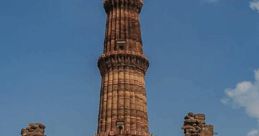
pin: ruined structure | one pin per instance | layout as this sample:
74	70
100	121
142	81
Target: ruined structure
33	129
194	125
123	103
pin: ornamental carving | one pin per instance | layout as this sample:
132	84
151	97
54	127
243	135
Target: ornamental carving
107	62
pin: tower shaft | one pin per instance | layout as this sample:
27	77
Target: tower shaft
123	102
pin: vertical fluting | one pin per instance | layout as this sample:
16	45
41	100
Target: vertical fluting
108	106
127	100
101	107
123	103
132	102
115	99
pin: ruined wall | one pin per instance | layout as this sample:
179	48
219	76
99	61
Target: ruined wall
195	125
33	129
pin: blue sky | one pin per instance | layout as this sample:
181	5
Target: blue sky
200	52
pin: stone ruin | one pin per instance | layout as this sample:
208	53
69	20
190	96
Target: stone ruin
194	125
33	129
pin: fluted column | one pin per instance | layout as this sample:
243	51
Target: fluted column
123	66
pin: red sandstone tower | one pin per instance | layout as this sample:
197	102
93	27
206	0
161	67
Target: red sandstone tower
123	103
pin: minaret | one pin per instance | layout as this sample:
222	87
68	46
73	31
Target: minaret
123	102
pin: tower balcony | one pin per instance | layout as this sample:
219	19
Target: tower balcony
109	61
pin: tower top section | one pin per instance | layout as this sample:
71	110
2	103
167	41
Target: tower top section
130	4
123	33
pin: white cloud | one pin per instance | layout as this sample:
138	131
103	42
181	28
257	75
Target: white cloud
246	95
254	5
253	132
